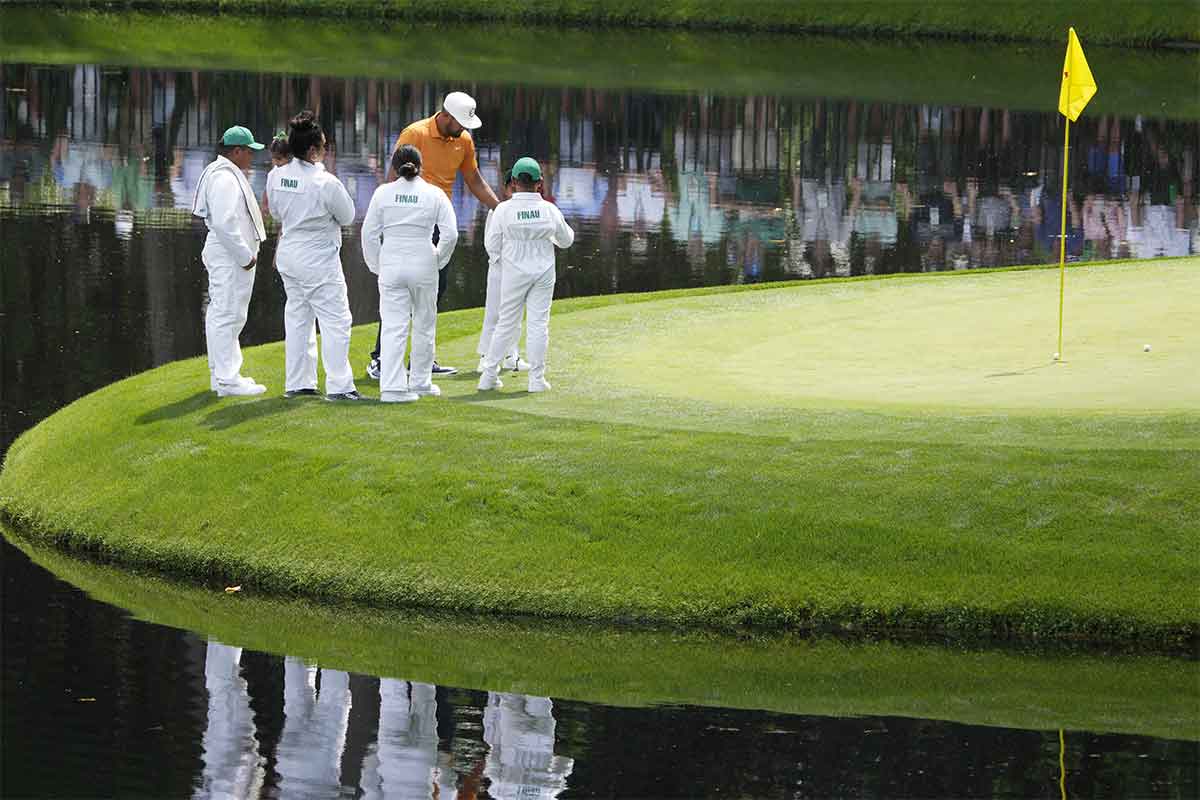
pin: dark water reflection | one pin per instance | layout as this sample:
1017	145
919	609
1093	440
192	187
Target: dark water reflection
100	257
97	704
100	278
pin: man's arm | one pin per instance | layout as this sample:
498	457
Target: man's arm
479	187
225	205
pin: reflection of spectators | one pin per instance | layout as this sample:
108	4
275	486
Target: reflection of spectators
579	194
872	214
824	225
697	212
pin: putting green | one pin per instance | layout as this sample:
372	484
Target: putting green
883	454
915	345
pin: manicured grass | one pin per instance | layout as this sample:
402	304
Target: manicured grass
1078	691
1013	76
1110	21
716	458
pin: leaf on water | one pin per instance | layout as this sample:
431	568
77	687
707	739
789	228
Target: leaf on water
232	589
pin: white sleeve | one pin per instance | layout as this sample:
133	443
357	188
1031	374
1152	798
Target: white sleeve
337	201
563	236
447	230
493	236
372	234
225	202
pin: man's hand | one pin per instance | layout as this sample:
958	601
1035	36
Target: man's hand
250	266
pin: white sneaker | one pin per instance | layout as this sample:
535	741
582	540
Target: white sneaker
242	379
432	390
538	385
240	389
398	397
489	382
516	364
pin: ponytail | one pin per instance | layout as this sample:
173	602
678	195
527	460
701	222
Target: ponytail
406	161
304	133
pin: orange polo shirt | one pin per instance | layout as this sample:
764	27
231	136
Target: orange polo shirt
441	157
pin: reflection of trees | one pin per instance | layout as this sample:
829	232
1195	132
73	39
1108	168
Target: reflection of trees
664	191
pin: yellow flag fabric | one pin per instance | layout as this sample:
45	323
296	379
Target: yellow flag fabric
1078	85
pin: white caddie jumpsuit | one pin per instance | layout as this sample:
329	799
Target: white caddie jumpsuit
525	230
521	764
396	244
312	206
229	208
308	757
491	302
229	750
407	743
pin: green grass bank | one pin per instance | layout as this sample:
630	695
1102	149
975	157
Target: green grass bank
876	455
1020	76
1124	22
1048	690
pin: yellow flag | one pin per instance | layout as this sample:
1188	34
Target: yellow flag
1078	85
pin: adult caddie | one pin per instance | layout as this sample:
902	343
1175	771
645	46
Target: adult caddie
446	149
229	208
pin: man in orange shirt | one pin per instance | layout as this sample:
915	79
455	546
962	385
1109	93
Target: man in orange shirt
446	149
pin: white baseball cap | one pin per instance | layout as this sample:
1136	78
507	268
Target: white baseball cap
461	106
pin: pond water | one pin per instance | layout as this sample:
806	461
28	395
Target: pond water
101	278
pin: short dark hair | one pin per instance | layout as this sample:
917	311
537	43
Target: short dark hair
525	182
304	133
226	149
406	161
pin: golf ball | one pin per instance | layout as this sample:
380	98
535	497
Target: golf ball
1056	356
1145	348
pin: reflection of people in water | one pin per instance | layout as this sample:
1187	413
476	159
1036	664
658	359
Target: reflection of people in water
405	761
521	763
316	707
232	767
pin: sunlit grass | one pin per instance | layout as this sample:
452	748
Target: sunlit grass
622	496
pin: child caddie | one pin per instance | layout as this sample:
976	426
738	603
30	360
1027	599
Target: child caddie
524	231
396	236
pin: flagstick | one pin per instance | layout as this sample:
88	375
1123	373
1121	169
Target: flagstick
1062	245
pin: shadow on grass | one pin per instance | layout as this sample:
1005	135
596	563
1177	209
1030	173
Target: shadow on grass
180	408
483	397
237	413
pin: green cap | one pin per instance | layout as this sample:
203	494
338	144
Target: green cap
527	166
237	135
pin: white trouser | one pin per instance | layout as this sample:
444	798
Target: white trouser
491	313
229	289
328	303
533	293
398	302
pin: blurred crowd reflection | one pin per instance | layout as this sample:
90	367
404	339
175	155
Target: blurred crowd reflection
665	190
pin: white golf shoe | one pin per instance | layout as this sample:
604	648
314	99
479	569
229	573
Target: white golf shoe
398	397
489	382
538	385
515	364
243	388
432	390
